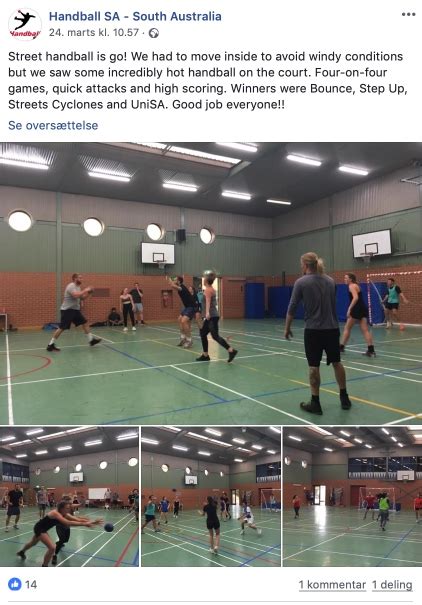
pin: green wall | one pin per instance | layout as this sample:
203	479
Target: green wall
295	473
325	472
34	250
153	477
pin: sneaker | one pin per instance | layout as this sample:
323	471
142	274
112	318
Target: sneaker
52	348
187	344
143	323
232	355
94	342
6	529
203	358
389	325
54	560
242	532
259	532
342	348
369	354
21	554
212	550
16	526
133	329
216	551
182	342
157	530
346	404
311	407
124	329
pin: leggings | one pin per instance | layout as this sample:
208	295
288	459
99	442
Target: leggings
211	325
63	533
127	309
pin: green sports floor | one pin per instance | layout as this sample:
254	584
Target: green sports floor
87	547
184	542
144	378
334	537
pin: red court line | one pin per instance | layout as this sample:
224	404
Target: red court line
46	363
126	548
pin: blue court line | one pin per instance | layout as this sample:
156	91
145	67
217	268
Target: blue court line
202	543
72	552
396	545
264	552
150	365
135	561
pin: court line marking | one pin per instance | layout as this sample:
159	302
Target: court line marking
126	548
333	552
258	556
190	551
243	395
9	384
105	543
404	419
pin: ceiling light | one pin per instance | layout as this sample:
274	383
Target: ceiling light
319	430
236	440
368	446
198	436
79	429
23	164
394	439
302	160
34	432
40	452
63	448
151	441
345	433
173	428
357	440
95	442
213	432
20	442
6	439
241	146
202	154
385	431
238	460
276	429
281	202
153	145
51	436
180	447
204	453
353	170
223	443
21	456
127	436
271	452
237	195
400	444
295	438
328	449
180	187
110	177
242	449
257	447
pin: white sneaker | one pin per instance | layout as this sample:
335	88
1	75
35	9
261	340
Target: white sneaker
216	551
124	329
211	550
242	532
6	529
259	532
187	344
389	324
133	329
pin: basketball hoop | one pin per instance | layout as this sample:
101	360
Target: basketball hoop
366	257
161	264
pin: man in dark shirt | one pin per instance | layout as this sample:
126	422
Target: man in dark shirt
138	297
317	292
114	318
14	506
187	313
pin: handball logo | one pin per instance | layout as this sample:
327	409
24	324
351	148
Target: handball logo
25	24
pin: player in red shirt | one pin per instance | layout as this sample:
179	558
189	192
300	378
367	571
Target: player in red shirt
296	506
417	505
370	505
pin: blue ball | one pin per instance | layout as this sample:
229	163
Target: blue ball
108	527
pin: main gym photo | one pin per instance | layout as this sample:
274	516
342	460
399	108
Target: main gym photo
352	496
69	496
210	496
151	283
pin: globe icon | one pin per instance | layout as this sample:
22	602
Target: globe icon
153	33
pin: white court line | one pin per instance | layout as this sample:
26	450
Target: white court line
404	419
351	554
105	543
9	383
153	552
93	540
243	395
191	552
103	338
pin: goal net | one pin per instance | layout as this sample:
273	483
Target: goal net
271	500
409	283
375	491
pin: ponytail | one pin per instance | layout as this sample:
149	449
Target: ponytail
352	277
313	262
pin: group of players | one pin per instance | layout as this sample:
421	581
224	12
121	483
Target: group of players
381	503
210	510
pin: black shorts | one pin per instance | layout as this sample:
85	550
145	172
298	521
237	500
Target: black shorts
213	524
42	506
318	341
149	518
69	317
188	312
63	533
13	510
370	506
391	306
359	312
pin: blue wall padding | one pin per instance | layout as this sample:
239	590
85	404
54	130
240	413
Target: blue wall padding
278	300
342	301
255	301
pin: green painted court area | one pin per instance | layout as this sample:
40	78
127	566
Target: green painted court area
143	377
327	537
184	542
87	547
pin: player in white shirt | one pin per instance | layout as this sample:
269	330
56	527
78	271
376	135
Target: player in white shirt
247	520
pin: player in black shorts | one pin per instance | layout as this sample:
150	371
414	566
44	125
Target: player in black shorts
322	333
176	508
213	524
197	307
14	504
186	314
357	312
55	517
63	531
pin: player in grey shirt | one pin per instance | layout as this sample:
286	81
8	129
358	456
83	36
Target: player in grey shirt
317	291
70	312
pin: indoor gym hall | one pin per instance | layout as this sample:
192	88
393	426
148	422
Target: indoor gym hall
338	475
235	467
162	210
80	463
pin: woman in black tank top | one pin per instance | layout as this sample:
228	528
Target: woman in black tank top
356	312
57	516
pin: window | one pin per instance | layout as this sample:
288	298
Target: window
155	232
132	461
304	464
188	470
165	468
221	474
103	465
78	468
57	470
206	473
20	220
38	471
93	227
287	460
207	235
